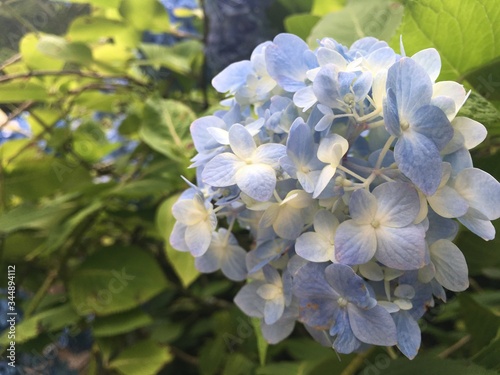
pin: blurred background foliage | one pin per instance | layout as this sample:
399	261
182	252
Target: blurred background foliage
97	97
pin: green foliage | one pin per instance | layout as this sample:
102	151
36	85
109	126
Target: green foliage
378	18
87	222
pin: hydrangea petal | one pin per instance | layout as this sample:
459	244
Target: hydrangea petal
448	203
249	302
233	77
450	264
257	181
431	121
411	85
221	170
430	60
314	247
481	190
233	263
419	159
374	326
354	243
401	248
398	204
409	337
241	141
363	206
198	238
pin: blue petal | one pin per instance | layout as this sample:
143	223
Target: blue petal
419	159
362	206
450	264
401	248
411	85
257	181
287	62
431	121
481	190
354	244
248	300
273	310
202	139
409	336
283	327
398	204
326	86
221	170
345	342
374	326
391	116
233	264
300	145
314	247
347	284
233	77
241	141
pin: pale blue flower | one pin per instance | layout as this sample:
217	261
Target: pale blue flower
250	167
422	130
382	226
223	254
335	299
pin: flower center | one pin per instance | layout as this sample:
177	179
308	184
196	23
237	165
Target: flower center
375	223
342	302
405	125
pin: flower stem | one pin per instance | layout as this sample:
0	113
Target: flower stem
384	151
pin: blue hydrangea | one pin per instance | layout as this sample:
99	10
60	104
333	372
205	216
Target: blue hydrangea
350	170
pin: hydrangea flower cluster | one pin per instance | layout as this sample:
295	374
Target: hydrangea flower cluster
350	169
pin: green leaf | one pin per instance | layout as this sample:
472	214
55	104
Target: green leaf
143	358
182	263
486	80
30	217
377	18
97	3
322	7
212	356
115	279
165	128
118	324
423	364
483	111
465	33
59	48
165	331
19	244
141	188
488	357
178	58
283	368
35	59
92	29
478	320
46	321
145	15
301	24
261	341
60	234
20	91
238	364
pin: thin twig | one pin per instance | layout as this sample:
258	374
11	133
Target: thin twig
445	353
42	73
11	60
17	111
188	358
357	362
